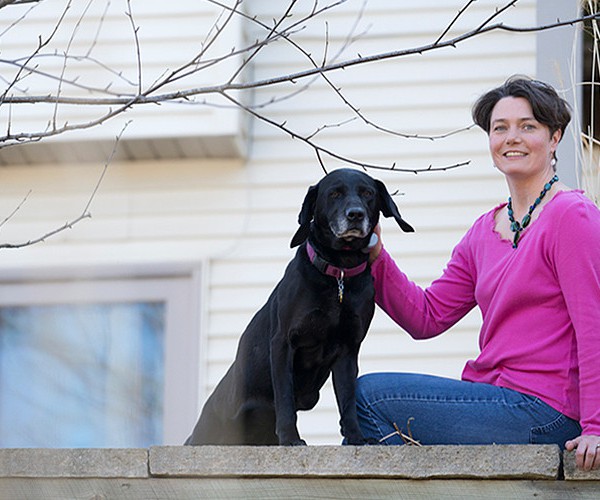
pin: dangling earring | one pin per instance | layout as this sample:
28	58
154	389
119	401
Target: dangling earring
553	162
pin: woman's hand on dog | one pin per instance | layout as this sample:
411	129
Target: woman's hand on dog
376	250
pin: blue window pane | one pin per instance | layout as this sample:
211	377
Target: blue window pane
82	375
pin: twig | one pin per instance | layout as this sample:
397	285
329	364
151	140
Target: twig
97	35
496	14
319	150
65	60
453	22
106	164
5	3
72	83
407	438
12	214
338	90
177	74
272	31
135	29
41	45
85	214
17	21
342	97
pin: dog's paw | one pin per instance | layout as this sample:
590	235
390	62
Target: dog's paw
371	441
295	442
361	441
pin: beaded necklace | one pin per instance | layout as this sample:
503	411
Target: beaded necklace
517	227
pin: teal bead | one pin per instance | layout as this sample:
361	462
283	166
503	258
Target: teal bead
526	220
516	239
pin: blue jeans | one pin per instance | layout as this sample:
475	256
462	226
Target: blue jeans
436	410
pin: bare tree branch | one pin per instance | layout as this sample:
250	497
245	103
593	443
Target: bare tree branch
453	22
41	45
320	150
135	29
390	55
152	95
292	77
65	59
5	3
85	214
17	208
122	94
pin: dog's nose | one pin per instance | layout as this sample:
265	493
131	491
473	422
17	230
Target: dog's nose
355	214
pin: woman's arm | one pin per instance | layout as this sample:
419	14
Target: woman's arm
577	264
423	313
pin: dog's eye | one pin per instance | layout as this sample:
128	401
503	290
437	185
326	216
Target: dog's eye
335	194
367	194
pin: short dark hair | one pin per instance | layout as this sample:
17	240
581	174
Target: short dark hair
548	107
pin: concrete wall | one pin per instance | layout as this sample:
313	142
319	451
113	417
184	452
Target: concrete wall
277	472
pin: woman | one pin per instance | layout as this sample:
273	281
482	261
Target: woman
532	266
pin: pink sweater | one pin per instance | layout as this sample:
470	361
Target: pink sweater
540	305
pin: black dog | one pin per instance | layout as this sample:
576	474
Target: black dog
312	324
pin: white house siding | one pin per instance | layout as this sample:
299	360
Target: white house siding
233	218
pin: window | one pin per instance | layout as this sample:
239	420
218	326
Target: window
97	363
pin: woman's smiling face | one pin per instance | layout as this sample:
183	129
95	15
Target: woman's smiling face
519	144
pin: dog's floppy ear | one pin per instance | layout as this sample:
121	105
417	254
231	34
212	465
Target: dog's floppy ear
389	208
305	216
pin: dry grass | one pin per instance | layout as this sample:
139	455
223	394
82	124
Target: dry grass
590	145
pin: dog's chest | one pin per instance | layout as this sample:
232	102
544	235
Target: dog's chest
318	321
330	325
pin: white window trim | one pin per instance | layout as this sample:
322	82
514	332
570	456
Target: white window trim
182	347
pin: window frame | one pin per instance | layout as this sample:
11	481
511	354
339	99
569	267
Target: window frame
181	293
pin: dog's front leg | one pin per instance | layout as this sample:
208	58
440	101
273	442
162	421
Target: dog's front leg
345	371
282	355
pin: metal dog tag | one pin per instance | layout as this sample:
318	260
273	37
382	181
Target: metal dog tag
340	281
